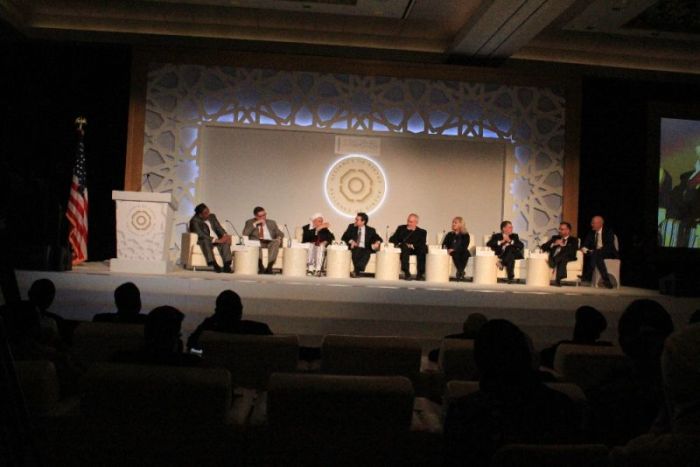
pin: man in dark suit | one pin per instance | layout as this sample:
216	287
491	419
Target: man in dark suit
507	247
412	241
362	241
209	234
227	318
127	298
598	245
270	236
562	248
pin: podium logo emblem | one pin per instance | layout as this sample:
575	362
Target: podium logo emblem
355	183
141	220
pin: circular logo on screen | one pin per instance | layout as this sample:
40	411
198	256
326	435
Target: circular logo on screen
141	220
355	183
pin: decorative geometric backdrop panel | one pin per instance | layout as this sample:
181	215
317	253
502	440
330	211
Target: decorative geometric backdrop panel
182	98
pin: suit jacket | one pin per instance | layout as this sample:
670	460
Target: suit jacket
413	237
569	250
251	229
200	227
494	244
243	326
309	235
609	250
370	235
125	318
457	242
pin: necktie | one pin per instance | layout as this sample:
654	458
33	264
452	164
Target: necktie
261	232
597	240
359	235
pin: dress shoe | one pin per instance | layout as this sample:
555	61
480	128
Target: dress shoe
407	277
420	277
227	268
268	269
353	274
557	283
511	280
216	267
607	284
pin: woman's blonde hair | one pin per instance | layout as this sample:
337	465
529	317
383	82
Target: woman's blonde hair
462	227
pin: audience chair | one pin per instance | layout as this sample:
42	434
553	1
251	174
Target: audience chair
456	359
41	390
588	365
98	342
251	359
530	455
371	356
338	420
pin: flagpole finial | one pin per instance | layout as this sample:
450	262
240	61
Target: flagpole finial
80	122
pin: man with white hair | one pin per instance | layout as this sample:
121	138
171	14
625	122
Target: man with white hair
318	236
598	245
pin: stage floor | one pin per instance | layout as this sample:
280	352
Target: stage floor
313	307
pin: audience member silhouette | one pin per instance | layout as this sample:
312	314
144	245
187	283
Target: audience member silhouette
162	344
627	402
470	328
227	318
590	324
511	405
27	342
678	443
127	299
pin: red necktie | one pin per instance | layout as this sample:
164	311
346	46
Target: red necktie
261	232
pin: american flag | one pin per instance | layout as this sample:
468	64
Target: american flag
77	212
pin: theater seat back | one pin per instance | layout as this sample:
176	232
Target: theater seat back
457	359
589	365
98	342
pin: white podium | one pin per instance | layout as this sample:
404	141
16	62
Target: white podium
144	225
538	271
388	264
245	259
485	267
295	260
437	266
338	259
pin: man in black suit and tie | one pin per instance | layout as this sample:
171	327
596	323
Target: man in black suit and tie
507	247
562	248
412	241
598	245
209	234
362	241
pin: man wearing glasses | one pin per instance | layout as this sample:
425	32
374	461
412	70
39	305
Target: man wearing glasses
270	236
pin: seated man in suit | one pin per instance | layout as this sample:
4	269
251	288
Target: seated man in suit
598	245
317	234
507	247
227	318
270	236
562	248
412	241
209	234
127	299
362	241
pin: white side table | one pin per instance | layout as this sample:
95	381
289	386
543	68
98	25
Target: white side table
245	259
295	260
538	271
338	259
485	267
437	266
388	264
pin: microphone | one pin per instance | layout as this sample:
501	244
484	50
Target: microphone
240	239
386	241
148	179
289	237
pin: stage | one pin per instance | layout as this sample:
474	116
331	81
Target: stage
313	307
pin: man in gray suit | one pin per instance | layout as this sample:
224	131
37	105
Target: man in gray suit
209	234
270	236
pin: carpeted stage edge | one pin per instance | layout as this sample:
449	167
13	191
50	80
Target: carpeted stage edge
313	307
